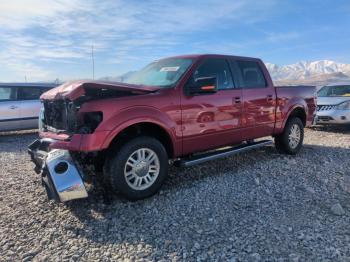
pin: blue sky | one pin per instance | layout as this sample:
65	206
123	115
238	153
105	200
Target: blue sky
45	40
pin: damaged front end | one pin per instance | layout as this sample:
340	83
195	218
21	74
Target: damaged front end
63	116
70	125
60	175
62	107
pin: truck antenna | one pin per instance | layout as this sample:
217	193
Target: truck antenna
93	62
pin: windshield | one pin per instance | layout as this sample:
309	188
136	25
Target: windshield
162	73
341	90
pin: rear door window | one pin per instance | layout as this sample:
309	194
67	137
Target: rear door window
29	93
251	74
7	93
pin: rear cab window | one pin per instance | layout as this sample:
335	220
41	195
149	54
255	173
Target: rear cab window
249	73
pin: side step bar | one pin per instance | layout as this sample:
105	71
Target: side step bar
221	153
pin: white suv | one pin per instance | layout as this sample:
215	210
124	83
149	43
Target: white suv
333	104
20	105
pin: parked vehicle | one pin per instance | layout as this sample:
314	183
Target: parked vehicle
333	104
20	105
188	109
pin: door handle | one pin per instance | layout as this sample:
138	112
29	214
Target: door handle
269	98
13	107
237	99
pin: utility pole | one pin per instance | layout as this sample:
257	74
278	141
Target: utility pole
93	62
25	79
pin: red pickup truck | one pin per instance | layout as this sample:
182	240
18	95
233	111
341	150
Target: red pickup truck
181	110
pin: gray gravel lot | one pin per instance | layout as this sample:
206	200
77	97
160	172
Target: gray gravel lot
256	206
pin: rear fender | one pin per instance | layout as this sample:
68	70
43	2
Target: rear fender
286	109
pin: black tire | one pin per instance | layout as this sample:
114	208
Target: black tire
282	141
116	163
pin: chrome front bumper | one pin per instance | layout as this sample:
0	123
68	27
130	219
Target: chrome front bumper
333	117
60	176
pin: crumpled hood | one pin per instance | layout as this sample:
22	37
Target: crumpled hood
74	89
332	100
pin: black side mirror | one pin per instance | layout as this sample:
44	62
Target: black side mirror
204	85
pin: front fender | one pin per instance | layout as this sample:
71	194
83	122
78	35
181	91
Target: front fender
141	114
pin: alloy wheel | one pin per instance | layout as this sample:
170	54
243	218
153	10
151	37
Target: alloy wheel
142	169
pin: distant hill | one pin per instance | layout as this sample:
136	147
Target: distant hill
120	78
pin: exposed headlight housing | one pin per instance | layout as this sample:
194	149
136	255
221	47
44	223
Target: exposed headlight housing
344	106
90	121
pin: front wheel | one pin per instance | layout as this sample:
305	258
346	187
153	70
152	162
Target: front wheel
291	140
138	169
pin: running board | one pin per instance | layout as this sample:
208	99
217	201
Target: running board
221	153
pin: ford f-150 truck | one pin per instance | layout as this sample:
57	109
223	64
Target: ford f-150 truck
181	110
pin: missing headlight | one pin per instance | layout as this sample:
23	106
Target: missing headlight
91	120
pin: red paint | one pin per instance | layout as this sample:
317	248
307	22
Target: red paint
193	123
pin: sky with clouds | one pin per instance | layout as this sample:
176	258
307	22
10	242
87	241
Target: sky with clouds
45	40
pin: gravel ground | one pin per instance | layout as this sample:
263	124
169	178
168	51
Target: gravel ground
256	206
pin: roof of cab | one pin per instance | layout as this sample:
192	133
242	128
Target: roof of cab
197	56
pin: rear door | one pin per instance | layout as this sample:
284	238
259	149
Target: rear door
29	106
9	109
211	120
259	99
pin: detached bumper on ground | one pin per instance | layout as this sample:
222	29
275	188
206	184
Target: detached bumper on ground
60	175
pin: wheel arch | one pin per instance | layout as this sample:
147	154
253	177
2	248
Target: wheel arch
299	112
139	128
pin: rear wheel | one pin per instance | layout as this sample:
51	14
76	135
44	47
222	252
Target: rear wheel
291	140
138	168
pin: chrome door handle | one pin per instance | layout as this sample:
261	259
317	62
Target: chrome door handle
269	98
13	107
237	100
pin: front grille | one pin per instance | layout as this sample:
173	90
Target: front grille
325	107
59	115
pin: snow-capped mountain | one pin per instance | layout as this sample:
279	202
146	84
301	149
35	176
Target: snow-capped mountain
309	71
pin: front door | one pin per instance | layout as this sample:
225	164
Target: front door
211	120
